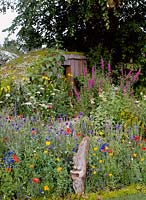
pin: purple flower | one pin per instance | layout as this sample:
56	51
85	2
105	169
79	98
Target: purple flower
109	67
129	73
90	83
93	72
136	75
102	64
77	94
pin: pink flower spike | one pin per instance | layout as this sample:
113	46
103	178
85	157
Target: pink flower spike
102	64
109	67
136	75
129	73
77	94
93	72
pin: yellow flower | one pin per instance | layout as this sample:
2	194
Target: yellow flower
101	133
69	75
59	169
95	149
94	172
58	159
122	113
94	154
106	148
110	154
142	159
35	156
93	167
142	126
31	166
100	161
48	143
45	78
110	175
46	188
7	89
45	151
134	155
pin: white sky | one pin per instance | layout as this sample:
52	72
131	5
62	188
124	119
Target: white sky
5	22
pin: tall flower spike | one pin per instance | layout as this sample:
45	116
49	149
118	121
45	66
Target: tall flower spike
93	72
109	67
129	73
136	75
102	63
77	94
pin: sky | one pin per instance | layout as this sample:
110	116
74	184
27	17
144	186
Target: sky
5	22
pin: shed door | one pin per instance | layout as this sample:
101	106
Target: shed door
67	70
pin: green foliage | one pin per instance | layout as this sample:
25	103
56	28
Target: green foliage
41	86
7	4
11	46
81	25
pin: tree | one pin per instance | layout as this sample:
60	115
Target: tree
130	36
83	24
73	23
7	4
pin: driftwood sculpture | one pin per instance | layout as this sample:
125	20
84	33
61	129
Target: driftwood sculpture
78	174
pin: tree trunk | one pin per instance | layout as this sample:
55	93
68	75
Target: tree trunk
78	174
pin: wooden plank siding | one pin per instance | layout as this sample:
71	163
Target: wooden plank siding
76	62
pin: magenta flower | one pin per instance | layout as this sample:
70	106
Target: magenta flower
102	64
77	94
136	75
90	83
93	72
109	67
129	73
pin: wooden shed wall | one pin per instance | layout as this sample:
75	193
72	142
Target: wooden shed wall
76	62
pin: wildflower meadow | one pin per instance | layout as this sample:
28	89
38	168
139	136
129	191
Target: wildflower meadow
41	127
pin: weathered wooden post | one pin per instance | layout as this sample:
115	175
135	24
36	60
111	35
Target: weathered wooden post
78	174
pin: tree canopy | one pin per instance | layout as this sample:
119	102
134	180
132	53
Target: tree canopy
118	25
7	4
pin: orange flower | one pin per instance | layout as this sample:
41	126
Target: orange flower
78	134
8	169
33	132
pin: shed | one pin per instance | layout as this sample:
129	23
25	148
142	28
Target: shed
74	64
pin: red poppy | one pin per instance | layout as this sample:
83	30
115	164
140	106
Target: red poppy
15	158
137	138
143	148
110	151
35	180
68	131
104	150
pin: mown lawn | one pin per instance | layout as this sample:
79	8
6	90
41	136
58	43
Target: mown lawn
140	196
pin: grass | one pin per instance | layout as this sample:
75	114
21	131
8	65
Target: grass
138	196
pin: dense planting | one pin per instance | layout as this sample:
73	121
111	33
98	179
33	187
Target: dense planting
41	127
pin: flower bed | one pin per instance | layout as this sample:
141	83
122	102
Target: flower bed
36	157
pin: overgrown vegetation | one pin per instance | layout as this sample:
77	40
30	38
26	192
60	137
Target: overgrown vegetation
39	135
